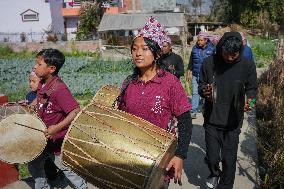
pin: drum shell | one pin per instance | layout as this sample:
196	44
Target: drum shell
114	149
106	95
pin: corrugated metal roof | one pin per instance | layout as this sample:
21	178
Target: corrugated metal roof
135	21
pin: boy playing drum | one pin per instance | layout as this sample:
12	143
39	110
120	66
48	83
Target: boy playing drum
57	108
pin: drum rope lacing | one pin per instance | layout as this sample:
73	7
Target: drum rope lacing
91	114
96	161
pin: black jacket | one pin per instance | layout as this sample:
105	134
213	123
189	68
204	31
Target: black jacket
172	59
231	82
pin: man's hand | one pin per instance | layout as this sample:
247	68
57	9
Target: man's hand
51	131
249	104
188	76
172	68
207	92
176	163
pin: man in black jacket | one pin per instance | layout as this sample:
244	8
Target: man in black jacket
171	61
225	79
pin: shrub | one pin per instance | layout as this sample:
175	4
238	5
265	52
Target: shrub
270	122
5	51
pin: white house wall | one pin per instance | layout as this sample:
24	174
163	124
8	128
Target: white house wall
11	20
71	27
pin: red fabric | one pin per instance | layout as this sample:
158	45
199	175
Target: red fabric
8	174
157	100
3	99
60	103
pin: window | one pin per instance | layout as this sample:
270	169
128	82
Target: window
30	15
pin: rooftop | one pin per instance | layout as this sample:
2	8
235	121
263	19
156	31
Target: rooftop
135	21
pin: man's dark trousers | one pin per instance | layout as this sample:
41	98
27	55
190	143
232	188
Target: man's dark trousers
222	145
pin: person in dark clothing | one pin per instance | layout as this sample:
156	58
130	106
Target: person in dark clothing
225	79
200	51
171	61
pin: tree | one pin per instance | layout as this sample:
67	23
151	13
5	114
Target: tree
90	16
261	14
197	4
220	11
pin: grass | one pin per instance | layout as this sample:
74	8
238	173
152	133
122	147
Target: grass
7	52
14	97
263	50
95	67
23	171
84	99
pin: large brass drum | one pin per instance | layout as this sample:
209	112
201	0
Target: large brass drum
106	95
21	134
113	149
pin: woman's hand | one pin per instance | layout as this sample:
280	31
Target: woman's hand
176	163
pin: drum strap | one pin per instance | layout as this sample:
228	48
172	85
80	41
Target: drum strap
119	98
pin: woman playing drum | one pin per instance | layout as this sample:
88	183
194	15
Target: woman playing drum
156	95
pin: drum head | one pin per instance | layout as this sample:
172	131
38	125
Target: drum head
21	138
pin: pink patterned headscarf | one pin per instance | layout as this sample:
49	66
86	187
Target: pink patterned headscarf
33	73
167	39
212	37
203	34
153	30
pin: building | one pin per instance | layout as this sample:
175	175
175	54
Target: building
30	20
70	12
124	25
142	6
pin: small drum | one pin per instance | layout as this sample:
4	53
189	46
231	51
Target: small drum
21	134
106	95
114	149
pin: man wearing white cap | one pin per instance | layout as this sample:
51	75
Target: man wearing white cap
170	60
